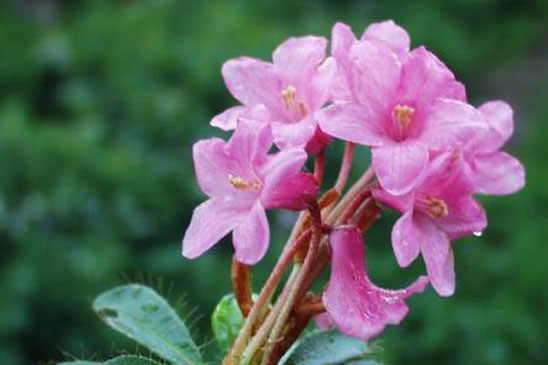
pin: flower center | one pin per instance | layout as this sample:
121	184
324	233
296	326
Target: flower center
402	118
290	102
240	183
432	206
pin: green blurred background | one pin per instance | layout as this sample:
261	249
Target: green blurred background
100	102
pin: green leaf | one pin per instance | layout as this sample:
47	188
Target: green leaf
226	321
131	360
331	348
141	314
120	360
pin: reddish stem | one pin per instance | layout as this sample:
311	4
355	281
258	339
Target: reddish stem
346	166
319	167
353	206
241	282
266	291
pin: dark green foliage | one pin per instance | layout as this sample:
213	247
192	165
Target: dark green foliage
100	102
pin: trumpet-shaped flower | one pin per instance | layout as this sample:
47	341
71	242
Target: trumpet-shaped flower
353	303
242	180
439	209
289	90
494	172
403	105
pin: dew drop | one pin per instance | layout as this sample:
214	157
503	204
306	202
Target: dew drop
478	233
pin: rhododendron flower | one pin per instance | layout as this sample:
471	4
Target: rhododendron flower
494	172
354	304
386	33
403	106
290	90
242	180
439	209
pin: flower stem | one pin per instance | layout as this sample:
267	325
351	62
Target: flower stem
319	167
265	294
358	186
241	283
292	298
346	166
262	333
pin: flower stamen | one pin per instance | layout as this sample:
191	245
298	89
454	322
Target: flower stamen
436	208
289	100
240	183
402	116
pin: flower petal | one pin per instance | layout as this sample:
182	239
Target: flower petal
252	81
447	177
500	117
285	186
352	122
358	307
297	58
375	75
287	135
249	145
228	119
402	203
451	124
399	166
251	236
211	221
318	86
465	217
213	165
318	142
498	173
425	78
390	34
437	254
406	238
342	39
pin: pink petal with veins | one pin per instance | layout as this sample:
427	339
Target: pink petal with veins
358	307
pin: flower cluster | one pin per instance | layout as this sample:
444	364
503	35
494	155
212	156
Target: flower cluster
431	152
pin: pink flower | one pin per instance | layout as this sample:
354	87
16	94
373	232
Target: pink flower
403	105
494	172
386	33
289	90
439	209
242	180
354	304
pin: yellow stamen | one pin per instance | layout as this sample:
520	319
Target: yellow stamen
403	118
242	184
437	208
289	95
289	100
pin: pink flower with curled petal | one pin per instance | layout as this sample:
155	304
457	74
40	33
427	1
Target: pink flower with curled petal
439	209
242	180
290	90
494	172
354	304
403	105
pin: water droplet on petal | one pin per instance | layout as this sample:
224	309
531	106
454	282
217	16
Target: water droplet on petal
478	233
